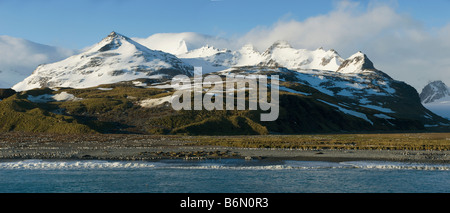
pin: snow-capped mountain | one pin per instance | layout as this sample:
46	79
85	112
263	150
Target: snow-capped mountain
116	58
19	57
436	97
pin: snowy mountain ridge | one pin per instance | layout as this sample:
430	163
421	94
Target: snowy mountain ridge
279	54
213	54
118	58
115	58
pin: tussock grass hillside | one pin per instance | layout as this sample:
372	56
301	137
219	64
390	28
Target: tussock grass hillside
19	114
117	108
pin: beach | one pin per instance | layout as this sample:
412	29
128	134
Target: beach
15	146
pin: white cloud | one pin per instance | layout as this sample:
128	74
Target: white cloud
343	27
19	58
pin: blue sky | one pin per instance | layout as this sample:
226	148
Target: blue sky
407	39
77	24
85	21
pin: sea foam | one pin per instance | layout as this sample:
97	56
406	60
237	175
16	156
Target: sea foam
217	165
43	165
396	165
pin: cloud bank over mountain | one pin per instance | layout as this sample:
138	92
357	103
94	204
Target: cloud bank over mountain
400	44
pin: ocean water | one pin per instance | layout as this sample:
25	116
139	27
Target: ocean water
222	176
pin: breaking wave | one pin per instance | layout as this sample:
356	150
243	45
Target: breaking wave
43	165
217	165
396	165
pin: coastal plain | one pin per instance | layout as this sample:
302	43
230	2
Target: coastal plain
409	147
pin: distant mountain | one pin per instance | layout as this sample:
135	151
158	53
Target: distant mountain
116	58
19	57
436	97
434	91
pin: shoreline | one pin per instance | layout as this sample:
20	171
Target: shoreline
263	155
18	146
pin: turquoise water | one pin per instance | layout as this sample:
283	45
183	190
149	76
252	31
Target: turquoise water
222	176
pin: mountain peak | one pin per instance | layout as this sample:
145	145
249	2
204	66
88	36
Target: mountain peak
356	63
112	34
434	91
278	45
281	44
112	41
